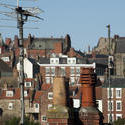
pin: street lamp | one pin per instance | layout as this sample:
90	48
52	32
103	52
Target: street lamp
109	74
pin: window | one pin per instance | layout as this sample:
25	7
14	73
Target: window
47	71
110	106
118	92
118	116
50	95
62	71
10	106
50	106
27	84
48	80
44	119
72	80
25	93
36	105
72	72
110	93
51	80
78	70
112	116
118	105
5	59
9	93
52	71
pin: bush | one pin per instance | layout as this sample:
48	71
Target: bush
16	121
120	121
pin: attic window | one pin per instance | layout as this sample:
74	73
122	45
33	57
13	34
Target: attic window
27	84
10	106
9	93
44	119
50	95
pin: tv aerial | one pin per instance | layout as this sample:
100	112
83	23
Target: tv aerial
22	15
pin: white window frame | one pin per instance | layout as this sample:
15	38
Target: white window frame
10	106
9	93
112	117
50	106
36	105
111	92
72	71
63	72
72	80
118	95
120	105
44	118
25	93
47	80
51	80
118	115
109	105
0	50
50	95
78	71
52	71
28	85
47	71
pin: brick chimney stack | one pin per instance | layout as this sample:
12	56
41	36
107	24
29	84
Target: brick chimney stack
59	114
89	114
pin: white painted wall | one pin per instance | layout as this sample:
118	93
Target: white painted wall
99	104
28	68
76	103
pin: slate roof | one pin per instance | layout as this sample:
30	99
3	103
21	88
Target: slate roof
103	61
4	67
45	43
120	45
44	60
115	83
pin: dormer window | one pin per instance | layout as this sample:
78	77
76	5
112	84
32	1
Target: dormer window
25	93
9	93
27	84
71	60
50	95
54	60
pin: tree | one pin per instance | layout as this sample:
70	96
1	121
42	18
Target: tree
120	121
16	121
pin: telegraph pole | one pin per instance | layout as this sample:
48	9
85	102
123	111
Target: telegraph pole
22	16
109	76
20	23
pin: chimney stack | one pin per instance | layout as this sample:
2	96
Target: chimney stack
59	114
89	114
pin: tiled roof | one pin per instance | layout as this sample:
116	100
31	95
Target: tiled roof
38	94
28	79
115	83
46	87
15	96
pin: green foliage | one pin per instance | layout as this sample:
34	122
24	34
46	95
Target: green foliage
16	121
120	121
13	121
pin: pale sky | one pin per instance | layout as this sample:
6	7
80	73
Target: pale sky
84	20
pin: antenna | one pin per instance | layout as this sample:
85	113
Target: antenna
22	16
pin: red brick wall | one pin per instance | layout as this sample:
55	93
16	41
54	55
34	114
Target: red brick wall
114	99
58	47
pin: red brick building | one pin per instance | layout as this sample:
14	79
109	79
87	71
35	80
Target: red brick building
117	99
